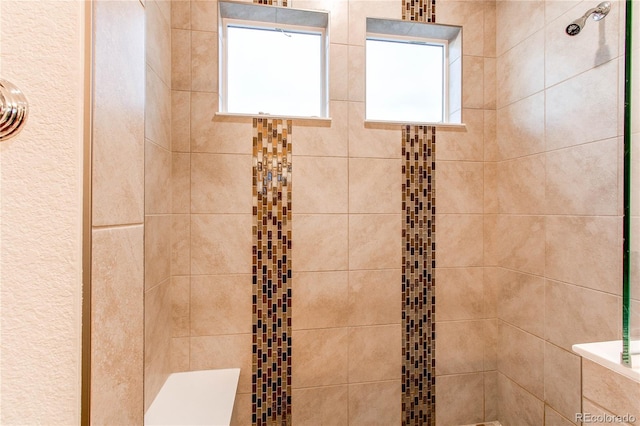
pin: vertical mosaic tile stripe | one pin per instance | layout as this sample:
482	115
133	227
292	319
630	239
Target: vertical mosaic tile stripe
419	10
418	284
282	3
271	379
418	258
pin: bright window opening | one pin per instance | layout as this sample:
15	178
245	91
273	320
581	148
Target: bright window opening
413	72
273	60
405	80
264	77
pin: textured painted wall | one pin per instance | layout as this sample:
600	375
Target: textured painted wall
41	205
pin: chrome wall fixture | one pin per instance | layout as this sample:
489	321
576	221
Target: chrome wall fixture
13	110
597	13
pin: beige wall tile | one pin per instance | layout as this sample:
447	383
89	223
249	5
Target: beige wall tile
375	241
583	180
321	243
523	250
493	279
180	121
521	358
614	392
158	41
520	71
326	140
321	299
490	396
180	59
568	122
585	251
221	183
374	353
321	184
591	409
180	306
165	9
490	29
491	327
157	179
374	404
327	405
157	339
356	83
461	144
458	240
375	297
179	354
204	15
360	10
489	82
489	131
473	81
117	350
519	185
509	35
157	250
220	304
338	72
338	11
520	128
566	57
552	418
118	151
228	351
517	406
554	8
491	183
242	410
521	303
181	14
459	293
157	127
469	15
371	142
180	183
460	399
320	357
459	347
375	185
591	316
220	135
180	244
204	61
459	187
221	244
562	380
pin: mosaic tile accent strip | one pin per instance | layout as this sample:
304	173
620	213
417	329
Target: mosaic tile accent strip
419	10
271	402
282	3
418	283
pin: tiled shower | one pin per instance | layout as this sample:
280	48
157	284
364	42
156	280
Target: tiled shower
527	217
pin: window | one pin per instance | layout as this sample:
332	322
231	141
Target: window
270	64
412	72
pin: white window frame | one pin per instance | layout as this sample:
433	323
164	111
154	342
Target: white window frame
427	42
262	23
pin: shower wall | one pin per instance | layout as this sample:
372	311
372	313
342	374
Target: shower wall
553	199
346	230
158	198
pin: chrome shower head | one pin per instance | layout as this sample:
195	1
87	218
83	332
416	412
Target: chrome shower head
597	13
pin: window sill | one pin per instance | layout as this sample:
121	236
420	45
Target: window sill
383	124
298	120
